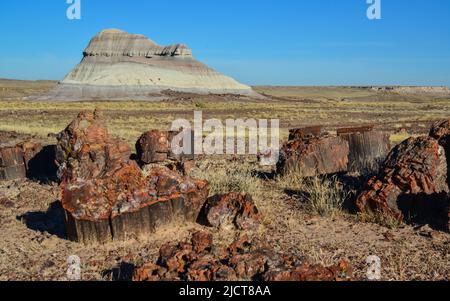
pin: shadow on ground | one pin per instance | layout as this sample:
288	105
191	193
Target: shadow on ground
124	272
52	221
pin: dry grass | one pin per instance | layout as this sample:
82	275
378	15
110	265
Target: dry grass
231	177
332	107
324	196
380	219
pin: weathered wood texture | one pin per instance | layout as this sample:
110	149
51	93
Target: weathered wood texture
15	159
368	148
306	132
441	132
413	174
105	194
156	146
314	156
12	164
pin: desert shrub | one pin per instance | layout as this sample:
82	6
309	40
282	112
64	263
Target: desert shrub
324	196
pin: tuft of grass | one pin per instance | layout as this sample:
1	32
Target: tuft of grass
232	177
293	179
325	196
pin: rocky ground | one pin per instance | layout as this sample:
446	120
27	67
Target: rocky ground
33	240
34	244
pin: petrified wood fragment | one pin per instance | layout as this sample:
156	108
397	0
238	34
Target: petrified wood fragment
12	164
199	260
231	210
314	156
368	148
153	147
85	150
156	146
441	132
305	133
15	158
106	196
417	167
310	272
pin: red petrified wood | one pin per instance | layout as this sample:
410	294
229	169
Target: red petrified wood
314	156
153	147
156	146
199	260
105	194
415	167
231	210
441	132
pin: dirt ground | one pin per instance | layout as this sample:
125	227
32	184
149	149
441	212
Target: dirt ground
32	232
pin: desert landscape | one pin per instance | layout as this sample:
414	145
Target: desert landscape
294	221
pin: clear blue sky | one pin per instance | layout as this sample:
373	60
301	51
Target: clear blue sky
278	42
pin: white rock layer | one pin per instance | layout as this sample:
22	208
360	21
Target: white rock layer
120	65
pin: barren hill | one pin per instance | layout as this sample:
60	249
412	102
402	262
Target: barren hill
118	65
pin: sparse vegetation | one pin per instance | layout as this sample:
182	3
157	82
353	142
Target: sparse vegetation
325	196
293	179
307	222
380	219
231	177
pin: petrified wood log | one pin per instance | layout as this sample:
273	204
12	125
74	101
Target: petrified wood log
368	148
156	146
128	205
14	159
12	164
311	272
416	167
199	260
231	210
185	156
85	150
153	147
106	196
441	132
314	156
305	133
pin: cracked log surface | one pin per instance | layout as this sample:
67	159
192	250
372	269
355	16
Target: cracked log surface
368	148
104	193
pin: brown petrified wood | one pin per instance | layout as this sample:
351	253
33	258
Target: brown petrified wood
200	260
416	168
368	148
185	156
441	132
12	164
314	156
311	272
156	146
304	133
15	158
153	147
105	194
231	210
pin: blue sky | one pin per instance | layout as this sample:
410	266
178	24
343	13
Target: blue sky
277	42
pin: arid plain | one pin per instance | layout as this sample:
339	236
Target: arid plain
33	245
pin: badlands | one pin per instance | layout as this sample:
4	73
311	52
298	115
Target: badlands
119	65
